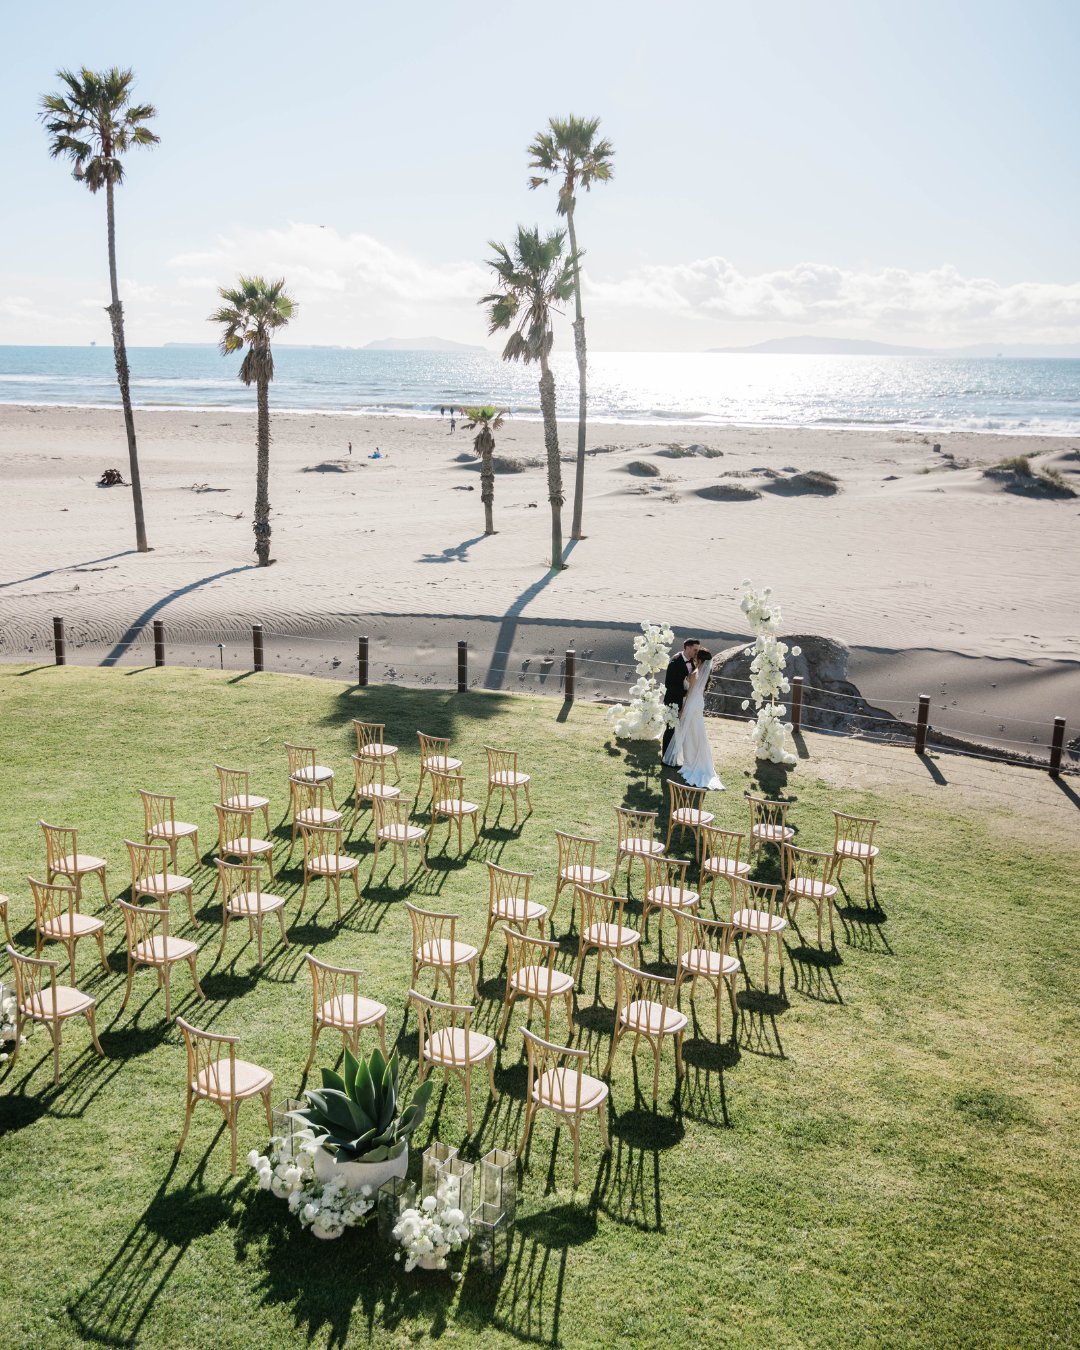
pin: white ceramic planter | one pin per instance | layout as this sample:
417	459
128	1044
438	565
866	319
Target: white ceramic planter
358	1174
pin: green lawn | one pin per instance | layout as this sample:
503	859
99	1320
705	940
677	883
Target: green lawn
887	1156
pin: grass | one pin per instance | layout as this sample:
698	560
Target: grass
1019	475
887	1155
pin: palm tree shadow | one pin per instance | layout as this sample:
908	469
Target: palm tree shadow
455	553
139	623
508	625
71	567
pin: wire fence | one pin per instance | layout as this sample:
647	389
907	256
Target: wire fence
572	674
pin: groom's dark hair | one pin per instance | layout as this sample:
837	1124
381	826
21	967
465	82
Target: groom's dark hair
691	642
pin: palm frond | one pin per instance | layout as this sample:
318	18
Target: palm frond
93	123
252	312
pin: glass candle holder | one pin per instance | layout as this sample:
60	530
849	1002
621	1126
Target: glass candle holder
498	1182
435	1155
283	1126
454	1184
394	1197
492	1238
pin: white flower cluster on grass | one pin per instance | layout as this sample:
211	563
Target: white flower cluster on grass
770	734
287	1170
647	716
7	1026
431	1232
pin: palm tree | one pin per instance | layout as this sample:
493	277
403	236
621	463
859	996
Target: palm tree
570	152
489	420
93	123
250	316
532	285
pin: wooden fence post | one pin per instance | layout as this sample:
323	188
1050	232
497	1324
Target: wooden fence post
159	642
362	662
571	671
796	703
921	724
257	646
462	667
58	641
1057	742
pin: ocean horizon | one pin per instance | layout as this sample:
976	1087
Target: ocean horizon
1006	395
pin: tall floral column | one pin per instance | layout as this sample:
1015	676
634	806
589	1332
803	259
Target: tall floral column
647	716
770	734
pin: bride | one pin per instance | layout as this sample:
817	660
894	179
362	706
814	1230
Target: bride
690	748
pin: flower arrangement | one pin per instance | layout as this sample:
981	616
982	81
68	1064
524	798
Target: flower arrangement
647	716
428	1233
287	1171
770	734
356	1110
7	1022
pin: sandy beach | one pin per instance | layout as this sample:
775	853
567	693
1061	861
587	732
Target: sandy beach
939	579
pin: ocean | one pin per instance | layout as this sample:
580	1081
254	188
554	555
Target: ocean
927	393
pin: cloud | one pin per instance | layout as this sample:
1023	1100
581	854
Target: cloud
938	302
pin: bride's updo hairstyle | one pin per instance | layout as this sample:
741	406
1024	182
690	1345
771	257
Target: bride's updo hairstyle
703	656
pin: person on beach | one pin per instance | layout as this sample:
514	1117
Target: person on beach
453	422
350	447
689	749
677	681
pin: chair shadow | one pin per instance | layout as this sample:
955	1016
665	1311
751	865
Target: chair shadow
706	1060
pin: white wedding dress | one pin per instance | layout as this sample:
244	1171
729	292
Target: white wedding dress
690	748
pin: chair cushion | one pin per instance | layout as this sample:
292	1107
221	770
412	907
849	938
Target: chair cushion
383	790
773	833
508	778
586	876
442	764
245	903
318	815
164	883
703	961
452	807
559	1088
216	1081
67	925
69	1001
851	848
448	1047
347	1011
79	862
610	935
159	951
671	897
333	863
537	980
399	834
246	845
636	844
806	889
378	751
247	802
644	1014
519	911
758	921
177	829
443	952
319	774
689	815
725	867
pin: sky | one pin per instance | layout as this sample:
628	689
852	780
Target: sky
906	172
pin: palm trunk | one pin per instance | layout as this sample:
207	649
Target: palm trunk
261	524
551	441
487	482
579	352
115	312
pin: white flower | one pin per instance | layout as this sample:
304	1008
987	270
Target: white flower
429	1203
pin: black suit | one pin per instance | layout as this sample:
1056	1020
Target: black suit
675	680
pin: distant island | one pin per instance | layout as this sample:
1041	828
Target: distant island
420	344
830	346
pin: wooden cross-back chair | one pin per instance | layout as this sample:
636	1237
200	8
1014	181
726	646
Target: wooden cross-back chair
768	823
237	838
435	755
242	897
38	998
150	876
371	745
557	1082
307	803
149	943
214	1074
666	890
336	1002
509	903
435	945
448	1042
57	919
448	802
855	843
577	867
160	825
504	776
394	829
531	975
809	875
304	768
63	859
325	856
635	831
602	927
705	954
721	859
365	787
644	1007
686	811
759	913
235	790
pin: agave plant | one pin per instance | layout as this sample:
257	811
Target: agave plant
358	1111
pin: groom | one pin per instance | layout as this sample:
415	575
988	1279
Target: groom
676	680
